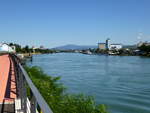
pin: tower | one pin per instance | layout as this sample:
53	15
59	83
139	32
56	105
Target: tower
107	43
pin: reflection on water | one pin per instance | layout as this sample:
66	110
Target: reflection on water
122	83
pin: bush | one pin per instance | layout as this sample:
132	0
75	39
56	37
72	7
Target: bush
145	48
60	102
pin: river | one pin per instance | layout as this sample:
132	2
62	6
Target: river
120	82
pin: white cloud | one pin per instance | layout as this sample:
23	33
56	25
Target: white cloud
140	36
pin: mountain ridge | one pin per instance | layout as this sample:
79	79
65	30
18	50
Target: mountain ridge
75	47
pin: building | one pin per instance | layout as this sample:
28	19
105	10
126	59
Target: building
13	48
4	47
140	44
42	47
102	46
143	43
107	43
115	46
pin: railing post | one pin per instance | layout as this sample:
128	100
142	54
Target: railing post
21	89
33	103
24	92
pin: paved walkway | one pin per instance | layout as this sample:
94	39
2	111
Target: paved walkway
7	79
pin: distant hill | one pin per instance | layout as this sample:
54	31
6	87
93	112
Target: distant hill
75	47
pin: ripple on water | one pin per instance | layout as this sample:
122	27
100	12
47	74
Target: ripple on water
122	83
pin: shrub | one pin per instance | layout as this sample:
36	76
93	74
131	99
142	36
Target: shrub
56	97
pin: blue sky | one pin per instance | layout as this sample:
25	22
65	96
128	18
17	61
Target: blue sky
84	22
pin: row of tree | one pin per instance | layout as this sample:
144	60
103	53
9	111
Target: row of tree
27	49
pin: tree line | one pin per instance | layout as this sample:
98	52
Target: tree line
27	49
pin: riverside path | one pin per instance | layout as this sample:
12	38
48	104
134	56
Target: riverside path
7	84
13	89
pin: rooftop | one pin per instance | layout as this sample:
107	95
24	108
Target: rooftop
101	43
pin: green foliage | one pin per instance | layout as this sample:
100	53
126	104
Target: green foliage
101	51
60	102
27	49
145	48
18	47
44	51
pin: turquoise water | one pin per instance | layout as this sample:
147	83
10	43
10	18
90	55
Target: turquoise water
120	82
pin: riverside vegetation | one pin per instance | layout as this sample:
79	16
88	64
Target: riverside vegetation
143	50
55	95
27	49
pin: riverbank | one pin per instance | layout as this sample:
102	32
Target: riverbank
57	98
121	52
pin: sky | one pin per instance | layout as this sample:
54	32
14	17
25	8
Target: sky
54	23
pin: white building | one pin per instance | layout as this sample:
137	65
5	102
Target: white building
143	43
6	48
115	46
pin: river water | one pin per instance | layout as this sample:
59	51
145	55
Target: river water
120	82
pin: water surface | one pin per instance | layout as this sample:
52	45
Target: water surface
120	82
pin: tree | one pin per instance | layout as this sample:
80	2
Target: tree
11	44
27	50
145	48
